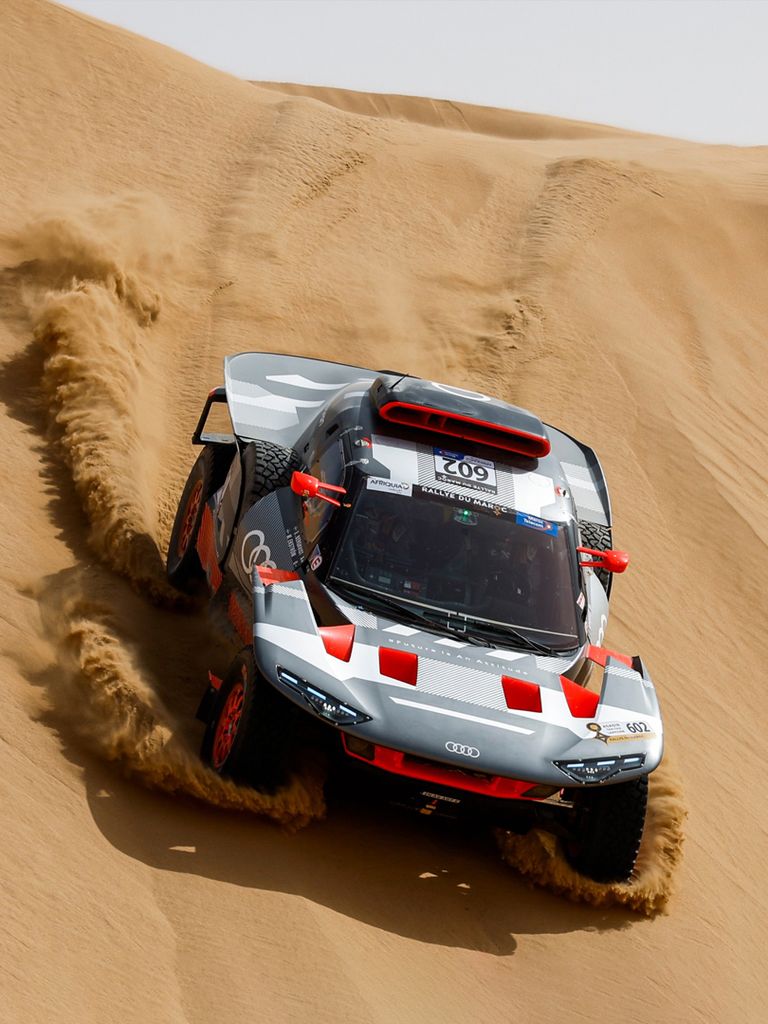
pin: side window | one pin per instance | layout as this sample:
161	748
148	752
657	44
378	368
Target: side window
329	469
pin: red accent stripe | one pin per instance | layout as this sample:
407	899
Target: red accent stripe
338	640
239	621
206	549
520	694
583	703
398	763
214	680
600	654
269	576
535	446
402	665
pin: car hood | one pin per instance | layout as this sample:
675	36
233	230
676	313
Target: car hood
457	703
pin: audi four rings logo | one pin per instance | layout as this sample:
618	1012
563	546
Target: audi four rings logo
459	748
256	553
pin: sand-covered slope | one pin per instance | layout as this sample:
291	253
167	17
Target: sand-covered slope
158	214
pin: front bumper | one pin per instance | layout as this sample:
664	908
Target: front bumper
422	770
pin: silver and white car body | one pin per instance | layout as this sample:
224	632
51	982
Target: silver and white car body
456	713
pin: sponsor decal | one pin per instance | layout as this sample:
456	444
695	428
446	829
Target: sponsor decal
315	560
468	499
581	601
293	537
465	470
534	523
381	483
255	552
439	796
619	732
603	624
429	648
460	748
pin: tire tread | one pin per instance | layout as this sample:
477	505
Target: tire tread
266	467
594	535
610	829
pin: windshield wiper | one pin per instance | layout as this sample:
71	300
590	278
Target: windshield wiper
403	612
487	628
455	625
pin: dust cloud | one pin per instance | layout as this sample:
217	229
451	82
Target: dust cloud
93	280
108	702
539	858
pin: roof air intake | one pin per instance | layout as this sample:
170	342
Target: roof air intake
454	412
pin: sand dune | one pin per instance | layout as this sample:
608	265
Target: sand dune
158	215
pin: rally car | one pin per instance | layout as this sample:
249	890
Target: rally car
421	574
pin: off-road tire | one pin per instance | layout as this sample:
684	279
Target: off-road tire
266	467
208	474
254	750
608	825
598	537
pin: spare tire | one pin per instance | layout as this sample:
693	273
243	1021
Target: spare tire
266	467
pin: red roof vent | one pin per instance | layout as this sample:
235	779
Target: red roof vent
451	425
456	412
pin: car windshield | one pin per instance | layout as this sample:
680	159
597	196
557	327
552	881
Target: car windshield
482	567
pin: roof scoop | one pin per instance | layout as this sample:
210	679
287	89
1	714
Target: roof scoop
454	412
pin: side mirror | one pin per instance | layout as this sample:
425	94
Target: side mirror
611	561
310	487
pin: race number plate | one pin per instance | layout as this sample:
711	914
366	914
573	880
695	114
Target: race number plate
465	470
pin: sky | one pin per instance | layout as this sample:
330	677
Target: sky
695	69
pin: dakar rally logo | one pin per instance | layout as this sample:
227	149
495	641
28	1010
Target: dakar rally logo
251	554
619	732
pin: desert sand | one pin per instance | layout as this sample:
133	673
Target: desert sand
157	215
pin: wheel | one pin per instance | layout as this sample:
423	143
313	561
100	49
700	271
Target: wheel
207	475
266	467
607	829
598	537
248	733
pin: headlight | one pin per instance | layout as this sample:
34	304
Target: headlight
327	707
598	769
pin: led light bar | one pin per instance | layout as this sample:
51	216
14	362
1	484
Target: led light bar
323	704
599	769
